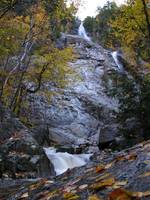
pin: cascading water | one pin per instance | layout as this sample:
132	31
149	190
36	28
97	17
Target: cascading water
115	57
82	32
64	161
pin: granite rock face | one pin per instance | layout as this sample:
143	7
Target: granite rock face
79	112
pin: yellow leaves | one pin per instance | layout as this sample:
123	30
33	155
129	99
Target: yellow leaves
94	197
102	184
52	194
37	184
100	168
19	18
70	196
119	184
70	189
106	175
147	162
106	180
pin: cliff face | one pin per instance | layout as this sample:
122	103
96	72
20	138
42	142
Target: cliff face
82	112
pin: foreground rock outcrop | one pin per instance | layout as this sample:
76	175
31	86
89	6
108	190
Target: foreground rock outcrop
20	154
124	175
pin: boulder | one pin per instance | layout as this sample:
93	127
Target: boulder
108	136
20	154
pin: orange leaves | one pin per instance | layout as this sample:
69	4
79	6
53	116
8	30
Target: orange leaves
122	194
37	184
119	194
131	157
100	168
102	184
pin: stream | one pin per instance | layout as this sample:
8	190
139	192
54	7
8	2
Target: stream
62	161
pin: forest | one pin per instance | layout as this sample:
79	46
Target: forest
127	28
28	54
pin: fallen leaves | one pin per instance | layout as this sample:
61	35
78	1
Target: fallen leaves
141	194
119	194
25	195
70	196
37	184
104	176
94	197
52	194
100	168
47	195
82	187
104	183
122	194
119	184
147	162
129	157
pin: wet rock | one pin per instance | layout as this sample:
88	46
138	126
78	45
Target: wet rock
75	114
75	39
108	174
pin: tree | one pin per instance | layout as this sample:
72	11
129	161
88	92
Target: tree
28	56
100	27
131	30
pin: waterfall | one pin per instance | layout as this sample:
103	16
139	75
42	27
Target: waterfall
64	161
117	62
82	32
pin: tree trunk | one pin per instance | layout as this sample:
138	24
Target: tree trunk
146	17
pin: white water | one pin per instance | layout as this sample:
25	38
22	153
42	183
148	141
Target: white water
82	32
64	161
115	57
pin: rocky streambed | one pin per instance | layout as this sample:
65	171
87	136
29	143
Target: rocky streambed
110	176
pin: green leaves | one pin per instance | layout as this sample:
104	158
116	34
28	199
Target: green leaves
27	50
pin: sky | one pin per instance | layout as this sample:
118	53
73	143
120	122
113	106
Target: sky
89	7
